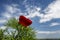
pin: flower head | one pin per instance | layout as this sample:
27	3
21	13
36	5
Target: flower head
24	21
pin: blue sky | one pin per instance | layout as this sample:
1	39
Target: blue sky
45	15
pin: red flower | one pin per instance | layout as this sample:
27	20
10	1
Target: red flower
24	21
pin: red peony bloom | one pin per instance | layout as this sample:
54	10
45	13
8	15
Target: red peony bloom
24	21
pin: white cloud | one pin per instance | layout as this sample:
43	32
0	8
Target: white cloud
2	20
42	20
33	12
45	32
9	12
52	11
32	15
12	8
54	24
7	15
48	34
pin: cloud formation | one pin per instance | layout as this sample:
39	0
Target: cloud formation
34	12
10	11
52	11
54	24
48	34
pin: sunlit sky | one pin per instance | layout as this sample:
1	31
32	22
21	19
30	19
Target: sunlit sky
45	15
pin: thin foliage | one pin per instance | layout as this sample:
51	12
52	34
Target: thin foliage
23	33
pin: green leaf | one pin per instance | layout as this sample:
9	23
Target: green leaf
12	23
24	33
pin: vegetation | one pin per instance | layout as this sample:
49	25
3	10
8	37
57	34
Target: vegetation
23	33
